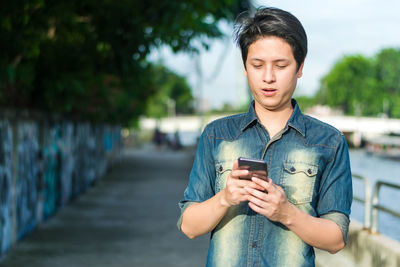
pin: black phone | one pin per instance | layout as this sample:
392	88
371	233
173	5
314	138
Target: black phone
258	168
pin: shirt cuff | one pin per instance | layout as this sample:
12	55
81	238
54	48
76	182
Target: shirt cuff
183	207
341	220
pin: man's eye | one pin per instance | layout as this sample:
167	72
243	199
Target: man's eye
257	66
281	66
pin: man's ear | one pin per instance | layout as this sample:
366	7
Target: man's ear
300	70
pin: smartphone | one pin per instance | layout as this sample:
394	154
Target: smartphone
258	168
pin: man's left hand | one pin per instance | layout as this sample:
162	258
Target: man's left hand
272	203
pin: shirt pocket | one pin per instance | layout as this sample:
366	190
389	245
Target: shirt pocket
222	171
297	180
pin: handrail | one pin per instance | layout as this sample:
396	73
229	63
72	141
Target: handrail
376	206
366	200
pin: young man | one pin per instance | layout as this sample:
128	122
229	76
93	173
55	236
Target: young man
306	200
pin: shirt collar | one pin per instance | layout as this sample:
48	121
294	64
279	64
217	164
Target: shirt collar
296	120
250	118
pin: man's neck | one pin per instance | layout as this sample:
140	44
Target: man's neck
273	120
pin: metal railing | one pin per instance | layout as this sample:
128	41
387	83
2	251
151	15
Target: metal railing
376	206
366	200
371	202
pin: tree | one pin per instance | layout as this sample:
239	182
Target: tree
364	86
388	79
173	93
351	86
306	102
87	59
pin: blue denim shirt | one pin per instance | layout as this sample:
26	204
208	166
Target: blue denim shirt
308	159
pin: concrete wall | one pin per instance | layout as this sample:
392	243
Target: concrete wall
45	163
363	250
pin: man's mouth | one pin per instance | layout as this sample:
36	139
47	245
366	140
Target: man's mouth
269	91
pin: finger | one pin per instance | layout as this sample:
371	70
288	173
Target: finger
256	193
235	183
256	208
256	186
235	165
256	201
241	195
239	173
245	183
268	185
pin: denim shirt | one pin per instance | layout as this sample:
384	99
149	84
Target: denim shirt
309	159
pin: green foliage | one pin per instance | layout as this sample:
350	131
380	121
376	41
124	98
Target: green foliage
364	86
388	70
87	59
173	94
306	102
229	109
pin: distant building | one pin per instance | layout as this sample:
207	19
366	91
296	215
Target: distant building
320	110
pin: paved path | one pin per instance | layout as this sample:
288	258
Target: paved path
127	219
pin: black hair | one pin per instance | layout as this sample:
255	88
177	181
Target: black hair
269	21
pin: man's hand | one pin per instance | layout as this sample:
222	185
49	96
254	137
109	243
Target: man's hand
272	202
235	191
201	218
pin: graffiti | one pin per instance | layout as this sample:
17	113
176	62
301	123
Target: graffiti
81	174
55	162
5	186
27	179
67	161
51	162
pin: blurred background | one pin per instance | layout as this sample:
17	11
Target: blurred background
85	83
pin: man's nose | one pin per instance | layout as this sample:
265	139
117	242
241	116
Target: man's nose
269	75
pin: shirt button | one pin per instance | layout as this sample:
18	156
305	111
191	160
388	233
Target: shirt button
309	171
220	168
293	169
254	245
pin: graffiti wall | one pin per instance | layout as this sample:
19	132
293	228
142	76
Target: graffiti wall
5	186
46	164
66	146
27	177
51	163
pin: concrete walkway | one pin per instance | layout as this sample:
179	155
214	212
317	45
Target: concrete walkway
127	219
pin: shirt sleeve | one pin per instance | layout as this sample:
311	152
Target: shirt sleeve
202	176
336	190
341	220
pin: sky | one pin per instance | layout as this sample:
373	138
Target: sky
334	28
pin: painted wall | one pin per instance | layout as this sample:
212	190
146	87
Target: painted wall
43	165
5	186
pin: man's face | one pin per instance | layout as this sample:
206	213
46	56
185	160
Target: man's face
272	73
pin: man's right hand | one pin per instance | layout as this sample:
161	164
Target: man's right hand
234	191
201	218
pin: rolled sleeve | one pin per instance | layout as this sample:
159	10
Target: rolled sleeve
202	176
341	220
183	207
336	191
